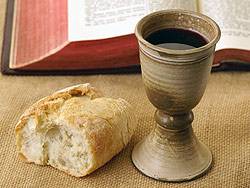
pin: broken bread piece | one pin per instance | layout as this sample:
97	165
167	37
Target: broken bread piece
75	130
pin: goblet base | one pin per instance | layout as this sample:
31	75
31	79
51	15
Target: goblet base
172	155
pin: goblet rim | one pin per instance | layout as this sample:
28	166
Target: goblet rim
210	44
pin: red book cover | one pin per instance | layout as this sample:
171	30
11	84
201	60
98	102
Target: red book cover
36	41
75	37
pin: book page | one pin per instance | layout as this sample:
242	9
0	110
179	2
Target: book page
233	17
99	19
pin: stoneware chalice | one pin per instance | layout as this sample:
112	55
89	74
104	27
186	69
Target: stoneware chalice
174	80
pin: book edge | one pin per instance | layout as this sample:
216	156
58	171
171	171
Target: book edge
221	55
7	37
49	53
13	34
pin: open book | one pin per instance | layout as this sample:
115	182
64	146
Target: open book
74	35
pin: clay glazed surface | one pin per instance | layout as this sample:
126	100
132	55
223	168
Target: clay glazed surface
175	81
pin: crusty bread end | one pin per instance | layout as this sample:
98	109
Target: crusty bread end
75	130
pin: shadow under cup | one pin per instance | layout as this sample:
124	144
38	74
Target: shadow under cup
175	80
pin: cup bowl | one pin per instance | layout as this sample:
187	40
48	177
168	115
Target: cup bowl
175	80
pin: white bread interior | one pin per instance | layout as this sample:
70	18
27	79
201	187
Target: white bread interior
75	130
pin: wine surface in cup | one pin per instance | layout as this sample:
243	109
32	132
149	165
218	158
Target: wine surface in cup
176	39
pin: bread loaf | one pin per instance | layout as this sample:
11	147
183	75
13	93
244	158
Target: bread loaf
75	130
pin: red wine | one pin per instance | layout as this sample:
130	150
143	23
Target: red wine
176	39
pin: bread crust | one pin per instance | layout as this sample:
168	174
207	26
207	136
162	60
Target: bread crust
106	124
45	103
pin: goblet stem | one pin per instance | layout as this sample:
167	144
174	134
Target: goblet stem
171	152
